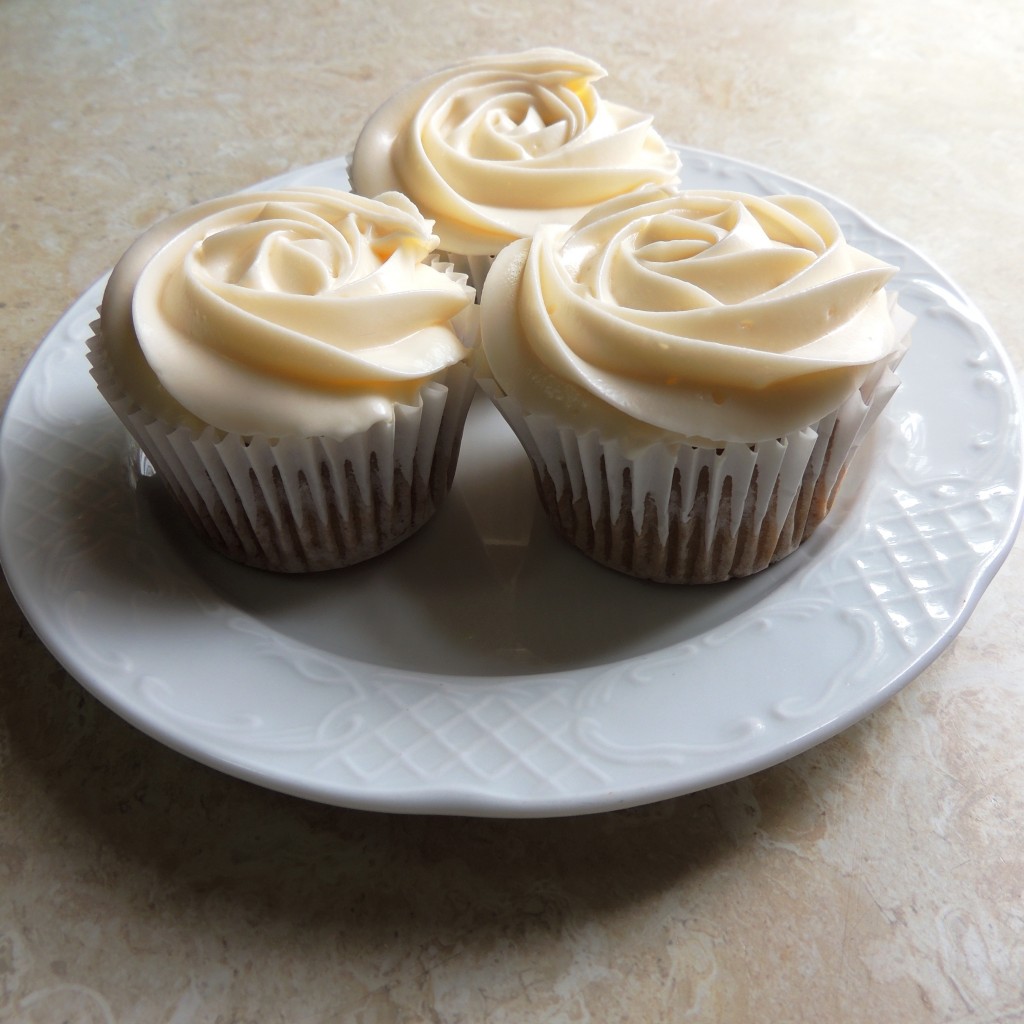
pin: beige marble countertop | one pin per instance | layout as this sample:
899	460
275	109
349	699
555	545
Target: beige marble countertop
877	877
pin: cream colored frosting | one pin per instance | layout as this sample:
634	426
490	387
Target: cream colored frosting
306	311
712	315
495	146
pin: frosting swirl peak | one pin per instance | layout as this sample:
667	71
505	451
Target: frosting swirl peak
306	311
494	146
714	315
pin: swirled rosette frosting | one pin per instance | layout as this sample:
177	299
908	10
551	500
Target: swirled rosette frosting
303	311
715	316
495	146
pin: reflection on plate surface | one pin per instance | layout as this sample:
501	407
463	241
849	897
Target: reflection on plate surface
484	667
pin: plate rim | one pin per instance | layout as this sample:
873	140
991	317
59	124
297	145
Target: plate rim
467	799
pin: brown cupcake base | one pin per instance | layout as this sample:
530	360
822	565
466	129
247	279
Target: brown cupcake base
615	539
356	524
305	504
676	512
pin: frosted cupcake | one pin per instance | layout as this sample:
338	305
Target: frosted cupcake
690	373
294	367
494	147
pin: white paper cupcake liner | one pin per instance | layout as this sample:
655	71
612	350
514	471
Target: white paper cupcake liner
305	503
681	513
475	268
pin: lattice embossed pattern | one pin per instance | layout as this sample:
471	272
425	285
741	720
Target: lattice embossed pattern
821	639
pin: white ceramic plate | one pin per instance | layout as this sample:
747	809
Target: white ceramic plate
484	667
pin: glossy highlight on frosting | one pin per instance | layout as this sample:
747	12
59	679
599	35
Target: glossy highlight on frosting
304	311
713	315
493	147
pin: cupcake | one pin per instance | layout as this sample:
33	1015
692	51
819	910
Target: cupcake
494	147
690	373
293	364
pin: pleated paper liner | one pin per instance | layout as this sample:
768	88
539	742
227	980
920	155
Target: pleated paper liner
306	503
682	513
